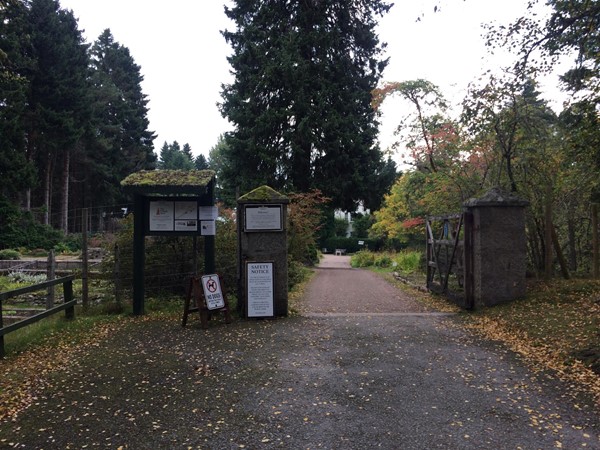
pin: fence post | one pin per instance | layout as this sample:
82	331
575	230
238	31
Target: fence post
50	275
1	336
117	277
84	257
68	292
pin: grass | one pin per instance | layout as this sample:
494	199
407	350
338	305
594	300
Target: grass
50	331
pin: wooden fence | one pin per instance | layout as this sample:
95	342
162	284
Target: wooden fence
68	305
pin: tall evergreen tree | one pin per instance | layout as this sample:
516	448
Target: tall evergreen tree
57	99
173	157
200	162
119	141
300	101
16	173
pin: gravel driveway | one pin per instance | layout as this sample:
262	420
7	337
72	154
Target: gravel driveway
366	367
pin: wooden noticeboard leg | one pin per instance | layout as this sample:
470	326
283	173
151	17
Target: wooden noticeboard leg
187	306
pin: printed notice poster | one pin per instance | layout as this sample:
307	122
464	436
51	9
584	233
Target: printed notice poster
186	225
208	228
161	216
259	285
212	292
208	212
262	218
186	210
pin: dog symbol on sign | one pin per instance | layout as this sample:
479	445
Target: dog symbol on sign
211	285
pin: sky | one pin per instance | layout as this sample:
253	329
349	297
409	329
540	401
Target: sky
182	55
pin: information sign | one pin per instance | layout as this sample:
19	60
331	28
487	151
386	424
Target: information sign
161	216
208	228
186	210
212	292
186	225
263	218
259	289
208	212
184	216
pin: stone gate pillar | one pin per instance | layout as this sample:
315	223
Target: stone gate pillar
262	258
499	247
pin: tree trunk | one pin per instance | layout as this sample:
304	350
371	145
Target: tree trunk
28	199
559	254
64	204
572	241
534	246
548	257
595	241
47	191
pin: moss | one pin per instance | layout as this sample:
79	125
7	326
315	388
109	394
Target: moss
264	193
149	178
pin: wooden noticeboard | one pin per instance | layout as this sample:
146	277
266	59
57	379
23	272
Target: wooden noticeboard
259	288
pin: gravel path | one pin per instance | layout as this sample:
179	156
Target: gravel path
340	289
367	368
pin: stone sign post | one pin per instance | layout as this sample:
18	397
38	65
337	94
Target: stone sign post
499	247
262	258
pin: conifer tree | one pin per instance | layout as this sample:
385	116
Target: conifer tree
57	98
16	173
119	141
300	101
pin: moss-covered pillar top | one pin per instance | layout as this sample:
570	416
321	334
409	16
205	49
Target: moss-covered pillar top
263	194
496	197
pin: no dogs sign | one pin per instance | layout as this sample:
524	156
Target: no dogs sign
212	292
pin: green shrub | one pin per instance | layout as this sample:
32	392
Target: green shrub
409	261
20	229
297	273
363	258
383	261
9	254
26	278
69	244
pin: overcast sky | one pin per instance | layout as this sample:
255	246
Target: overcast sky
183	55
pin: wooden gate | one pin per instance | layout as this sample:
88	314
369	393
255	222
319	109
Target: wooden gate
449	257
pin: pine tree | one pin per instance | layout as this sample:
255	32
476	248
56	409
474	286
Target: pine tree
300	101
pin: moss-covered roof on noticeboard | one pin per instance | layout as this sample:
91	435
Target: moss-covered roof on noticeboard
263	194
157	181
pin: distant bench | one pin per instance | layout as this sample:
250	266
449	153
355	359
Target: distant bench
340	251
